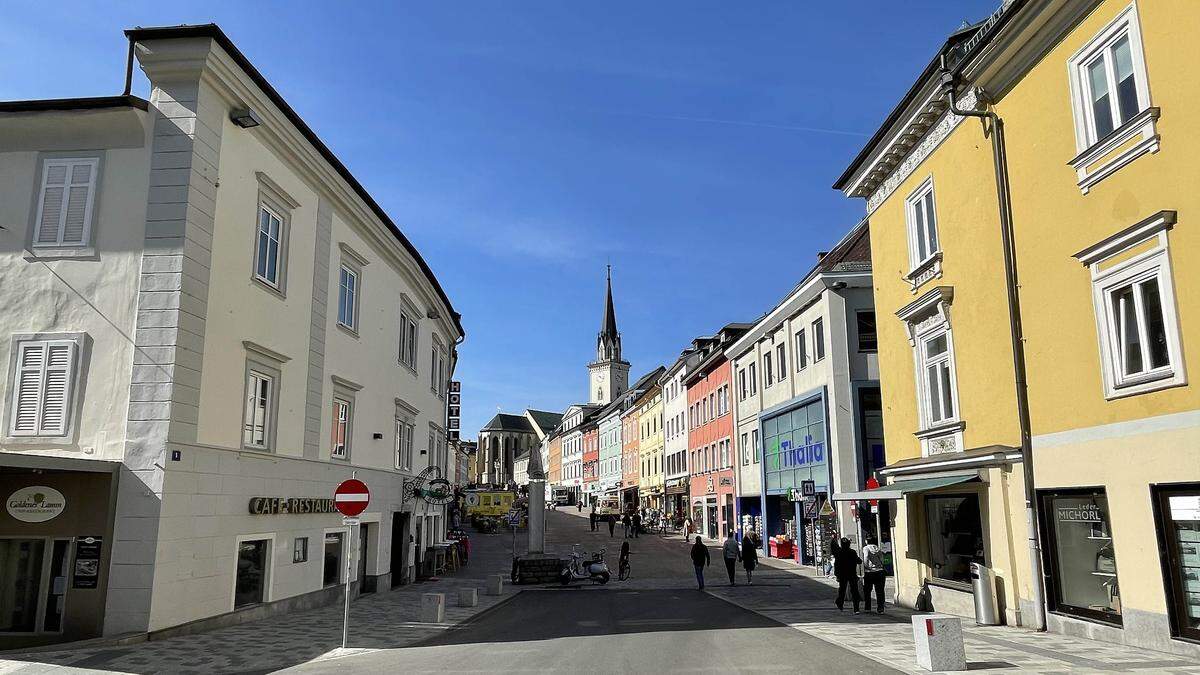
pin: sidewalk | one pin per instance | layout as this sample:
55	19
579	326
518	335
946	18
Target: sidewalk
385	620
797	597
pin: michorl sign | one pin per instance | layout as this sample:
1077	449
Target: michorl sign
272	506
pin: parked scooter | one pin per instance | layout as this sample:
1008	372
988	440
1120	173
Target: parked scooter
578	569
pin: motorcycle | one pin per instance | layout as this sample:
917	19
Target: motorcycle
577	569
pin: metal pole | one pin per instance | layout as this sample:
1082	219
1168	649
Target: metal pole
346	613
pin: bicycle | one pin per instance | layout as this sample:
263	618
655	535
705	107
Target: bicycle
623	568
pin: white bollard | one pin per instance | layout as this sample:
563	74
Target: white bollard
433	607
468	597
939	641
495	584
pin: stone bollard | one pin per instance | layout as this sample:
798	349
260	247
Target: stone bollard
495	584
939	641
468	597
433	607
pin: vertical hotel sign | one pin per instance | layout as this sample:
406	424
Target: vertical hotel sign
454	410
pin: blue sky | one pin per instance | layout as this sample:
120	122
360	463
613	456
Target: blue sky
524	145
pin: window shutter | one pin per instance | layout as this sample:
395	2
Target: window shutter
57	388
28	387
51	211
78	203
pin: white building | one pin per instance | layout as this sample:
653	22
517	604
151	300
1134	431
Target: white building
806	386
676	473
572	448
209	325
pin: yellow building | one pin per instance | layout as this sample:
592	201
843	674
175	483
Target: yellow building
1093	151
650	450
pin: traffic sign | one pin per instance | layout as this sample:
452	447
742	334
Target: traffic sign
351	497
808	487
873	484
827	509
811	506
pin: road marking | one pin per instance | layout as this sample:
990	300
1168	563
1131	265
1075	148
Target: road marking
654	622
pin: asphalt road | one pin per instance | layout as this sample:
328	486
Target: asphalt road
657	622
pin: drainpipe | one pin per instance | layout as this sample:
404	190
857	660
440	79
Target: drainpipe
1004	198
129	70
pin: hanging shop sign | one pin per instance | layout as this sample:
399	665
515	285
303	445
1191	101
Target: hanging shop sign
87	562
709	486
278	506
36	504
439	491
795	495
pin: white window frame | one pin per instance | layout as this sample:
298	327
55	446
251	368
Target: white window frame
409	336
1095	159
21	342
917	262
768	371
818	333
260	275
924	363
781	359
268	568
348	319
254	373
1153	263
801	350
69	164
343	409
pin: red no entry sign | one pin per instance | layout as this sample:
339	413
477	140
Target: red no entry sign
351	497
873	484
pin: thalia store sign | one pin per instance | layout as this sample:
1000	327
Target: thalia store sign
35	504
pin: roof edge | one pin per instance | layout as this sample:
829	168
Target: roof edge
82	103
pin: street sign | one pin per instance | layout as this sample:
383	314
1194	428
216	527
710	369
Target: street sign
827	508
811	507
873	484
351	497
808	487
351	521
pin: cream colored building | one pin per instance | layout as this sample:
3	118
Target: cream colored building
209	325
650	446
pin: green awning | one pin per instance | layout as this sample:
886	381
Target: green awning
902	488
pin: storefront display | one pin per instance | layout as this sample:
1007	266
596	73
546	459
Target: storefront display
1179	528
955	536
794	451
251	573
1083	564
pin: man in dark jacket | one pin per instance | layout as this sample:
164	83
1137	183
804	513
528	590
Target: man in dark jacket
636	521
612	524
699	560
845	568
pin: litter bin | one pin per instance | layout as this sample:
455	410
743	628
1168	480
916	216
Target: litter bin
983	587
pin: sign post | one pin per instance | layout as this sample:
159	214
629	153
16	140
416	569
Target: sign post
350	498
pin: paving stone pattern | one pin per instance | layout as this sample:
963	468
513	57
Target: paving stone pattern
386	620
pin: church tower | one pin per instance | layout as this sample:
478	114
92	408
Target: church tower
609	373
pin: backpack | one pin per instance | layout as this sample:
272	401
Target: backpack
874	559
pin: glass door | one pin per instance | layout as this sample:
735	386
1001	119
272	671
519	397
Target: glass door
33	584
1178	512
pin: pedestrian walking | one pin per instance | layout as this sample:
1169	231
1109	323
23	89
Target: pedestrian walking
845	568
749	555
700	560
579	506
732	553
592	518
612	525
637	524
873	574
625	525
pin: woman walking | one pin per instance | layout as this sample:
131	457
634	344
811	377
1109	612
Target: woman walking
749	555
845	568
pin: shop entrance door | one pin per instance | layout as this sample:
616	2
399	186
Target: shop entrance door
727	515
1178	515
33	585
399	563
365	585
711	521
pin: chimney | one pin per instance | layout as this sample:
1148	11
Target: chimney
821	255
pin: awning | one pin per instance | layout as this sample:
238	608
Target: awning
903	488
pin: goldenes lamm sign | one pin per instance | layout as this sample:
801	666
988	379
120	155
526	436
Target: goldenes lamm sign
36	504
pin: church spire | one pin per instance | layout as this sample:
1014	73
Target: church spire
608	342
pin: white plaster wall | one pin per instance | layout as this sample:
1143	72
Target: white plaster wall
672	408
98	296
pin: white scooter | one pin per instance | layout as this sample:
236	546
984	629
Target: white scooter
578	569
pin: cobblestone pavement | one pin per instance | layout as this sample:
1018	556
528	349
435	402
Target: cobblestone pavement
385	620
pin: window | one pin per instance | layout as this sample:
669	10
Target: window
768	371
333	558
801	351
300	550
741	384
1110	100
405	430
252	569
818	333
256	427
1083	564
340	443
745	450
1177	515
724	452
268	243
754	443
1135	309
68	192
348	298
34	572
937	378
868	341
922	227
753	383
955	536
408	338
44	373
781	359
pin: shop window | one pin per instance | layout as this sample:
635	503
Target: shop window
1178	520
251	583
333	558
300	550
1083	564
955	536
